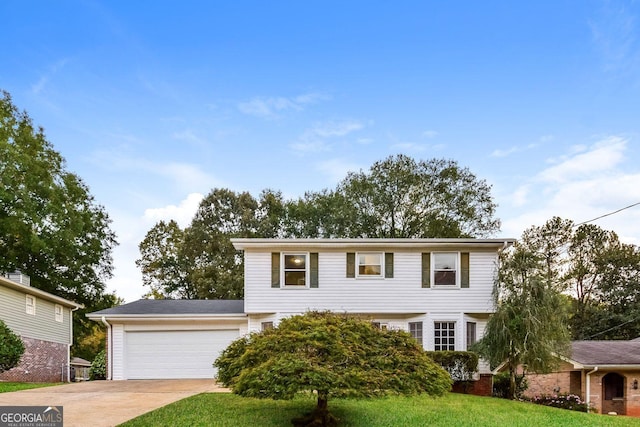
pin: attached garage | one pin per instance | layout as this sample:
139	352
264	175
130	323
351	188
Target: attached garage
167	339
174	354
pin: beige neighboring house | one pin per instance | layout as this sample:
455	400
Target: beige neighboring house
605	373
44	322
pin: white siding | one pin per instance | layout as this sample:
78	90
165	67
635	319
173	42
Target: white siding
401	294
117	351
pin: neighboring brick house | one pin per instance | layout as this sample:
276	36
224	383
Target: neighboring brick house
605	373
44	322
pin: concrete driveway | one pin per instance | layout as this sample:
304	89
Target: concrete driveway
108	403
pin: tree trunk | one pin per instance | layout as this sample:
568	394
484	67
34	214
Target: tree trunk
320	417
512	382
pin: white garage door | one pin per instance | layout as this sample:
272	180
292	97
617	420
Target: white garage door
174	354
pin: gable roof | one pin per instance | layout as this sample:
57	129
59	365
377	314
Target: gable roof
168	307
598	353
27	289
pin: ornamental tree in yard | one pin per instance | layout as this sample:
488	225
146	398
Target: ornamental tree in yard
329	355
11	348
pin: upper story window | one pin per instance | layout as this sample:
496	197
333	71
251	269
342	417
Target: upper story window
31	304
59	313
445	268
370	264
295	270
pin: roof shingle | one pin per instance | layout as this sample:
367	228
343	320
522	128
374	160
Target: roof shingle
169	307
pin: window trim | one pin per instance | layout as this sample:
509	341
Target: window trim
447	345
370	276
267	325
307	270
58	311
433	270
471	338
30	308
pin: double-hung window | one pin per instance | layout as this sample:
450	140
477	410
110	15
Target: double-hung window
415	329
444	336
59	313
370	264
445	268
31	304
295	270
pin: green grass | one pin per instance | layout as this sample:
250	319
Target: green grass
218	409
7	387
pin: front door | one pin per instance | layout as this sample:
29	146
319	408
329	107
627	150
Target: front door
613	386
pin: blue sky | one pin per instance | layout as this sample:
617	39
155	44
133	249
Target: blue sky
154	103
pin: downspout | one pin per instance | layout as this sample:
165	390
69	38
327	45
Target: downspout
110	347
70	344
588	399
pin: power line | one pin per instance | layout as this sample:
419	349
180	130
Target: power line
614	327
608	214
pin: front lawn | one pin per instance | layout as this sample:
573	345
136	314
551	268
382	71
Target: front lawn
7	387
221	409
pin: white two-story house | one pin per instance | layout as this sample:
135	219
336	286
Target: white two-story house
439	290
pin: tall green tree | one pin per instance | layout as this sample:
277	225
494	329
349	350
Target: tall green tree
530	325
200	261
51	227
329	355
399	197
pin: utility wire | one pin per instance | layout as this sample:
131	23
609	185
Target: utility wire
608	214
612	328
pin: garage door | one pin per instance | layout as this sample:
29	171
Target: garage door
174	354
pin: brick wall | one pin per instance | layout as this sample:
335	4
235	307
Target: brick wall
553	383
42	361
481	387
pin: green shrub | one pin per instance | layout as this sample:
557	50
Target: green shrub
11	348
98	370
501	385
461	365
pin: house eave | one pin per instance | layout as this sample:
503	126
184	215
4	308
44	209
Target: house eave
39	293
167	317
248	243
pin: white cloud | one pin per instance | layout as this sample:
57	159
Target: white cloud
601	157
182	213
44	79
272	107
584	184
337	169
314	140
518	148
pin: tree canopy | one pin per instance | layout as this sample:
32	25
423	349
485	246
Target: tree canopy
51	228
529	328
397	197
332	355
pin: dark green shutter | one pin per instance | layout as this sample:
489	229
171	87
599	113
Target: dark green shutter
314	269
426	270
388	265
351	264
464	270
275	270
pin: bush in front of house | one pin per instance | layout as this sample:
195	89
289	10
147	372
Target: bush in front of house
501	385
461	365
98	370
571	402
11	348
